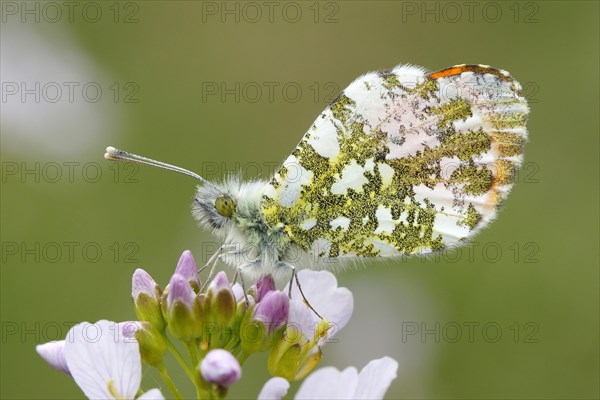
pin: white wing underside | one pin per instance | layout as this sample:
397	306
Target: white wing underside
403	162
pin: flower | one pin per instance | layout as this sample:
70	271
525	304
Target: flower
274	389
146	297
221	327
220	368
299	351
329	383
105	363
333	303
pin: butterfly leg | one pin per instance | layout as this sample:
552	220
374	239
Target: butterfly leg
241	274
212	261
295	277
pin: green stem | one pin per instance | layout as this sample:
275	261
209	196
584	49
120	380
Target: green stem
192	350
194	353
180	359
242	357
163	373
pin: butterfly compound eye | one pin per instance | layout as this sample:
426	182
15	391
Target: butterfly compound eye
225	206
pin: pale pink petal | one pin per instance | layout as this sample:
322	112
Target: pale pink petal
264	285
333	303
186	267
272	310
130	328
142	282
54	354
180	290
375	378
329	383
299	317
274	389
219	282
98	355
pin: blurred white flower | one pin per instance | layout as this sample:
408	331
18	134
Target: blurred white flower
57	101
274	389
329	383
104	362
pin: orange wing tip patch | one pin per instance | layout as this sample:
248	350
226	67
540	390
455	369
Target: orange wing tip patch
477	68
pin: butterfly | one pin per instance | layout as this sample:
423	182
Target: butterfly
402	162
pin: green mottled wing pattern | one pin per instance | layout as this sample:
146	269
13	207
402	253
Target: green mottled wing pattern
402	162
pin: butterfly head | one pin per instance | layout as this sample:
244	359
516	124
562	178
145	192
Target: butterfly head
214	206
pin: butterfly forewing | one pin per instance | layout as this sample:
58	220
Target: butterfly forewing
402	162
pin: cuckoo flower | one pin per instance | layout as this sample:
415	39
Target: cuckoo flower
329	383
105	363
299	351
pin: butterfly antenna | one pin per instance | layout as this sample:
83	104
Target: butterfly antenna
116	155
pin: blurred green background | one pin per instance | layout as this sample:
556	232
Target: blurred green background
513	316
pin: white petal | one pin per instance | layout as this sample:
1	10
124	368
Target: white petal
274	389
299	317
375	378
321	291
54	354
99	354
329	383
153	394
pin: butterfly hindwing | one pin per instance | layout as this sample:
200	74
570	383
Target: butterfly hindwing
402	162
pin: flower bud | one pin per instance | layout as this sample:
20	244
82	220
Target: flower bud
54	354
186	267
146	297
177	307
261	325
152	344
264	285
220	300
220	368
272	311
